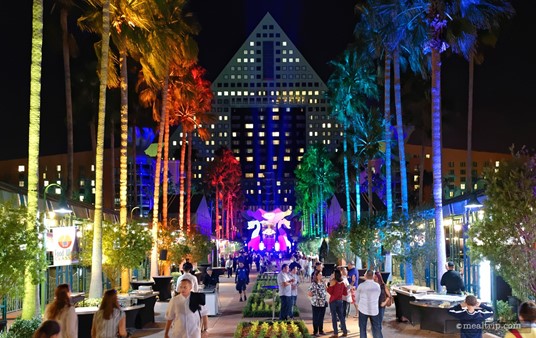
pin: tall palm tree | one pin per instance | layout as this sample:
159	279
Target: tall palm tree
95	287
29	306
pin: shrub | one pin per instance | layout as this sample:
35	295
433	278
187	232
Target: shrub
23	328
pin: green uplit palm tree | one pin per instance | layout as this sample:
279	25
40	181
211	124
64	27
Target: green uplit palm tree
95	287
29	305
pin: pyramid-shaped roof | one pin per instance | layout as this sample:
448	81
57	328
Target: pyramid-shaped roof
269	54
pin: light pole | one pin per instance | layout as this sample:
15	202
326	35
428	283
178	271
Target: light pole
62	209
472	205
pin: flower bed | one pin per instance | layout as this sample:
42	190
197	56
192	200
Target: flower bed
282	329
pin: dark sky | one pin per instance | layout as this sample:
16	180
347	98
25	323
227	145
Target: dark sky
320	30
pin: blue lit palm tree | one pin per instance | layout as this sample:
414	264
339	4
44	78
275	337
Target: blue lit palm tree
351	85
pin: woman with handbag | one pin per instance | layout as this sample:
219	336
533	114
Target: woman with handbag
385	299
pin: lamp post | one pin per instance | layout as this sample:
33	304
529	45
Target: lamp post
472	205
62	209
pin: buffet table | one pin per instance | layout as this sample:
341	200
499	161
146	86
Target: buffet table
429	309
137	283
85	318
145	314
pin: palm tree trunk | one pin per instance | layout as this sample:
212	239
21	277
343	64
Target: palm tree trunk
469	166
346	178
357	187
189	185
165	179
29	305
387	117
181	181
421	170
436	163
123	158
400	135
156	194
112	156
95	287
68	101
217	200
369	188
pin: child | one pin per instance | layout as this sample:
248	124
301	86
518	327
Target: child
471	314
527	317
183	321
242	279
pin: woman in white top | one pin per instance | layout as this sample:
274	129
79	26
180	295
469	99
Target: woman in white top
63	312
110	320
294	289
348	299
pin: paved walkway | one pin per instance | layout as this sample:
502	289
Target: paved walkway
225	324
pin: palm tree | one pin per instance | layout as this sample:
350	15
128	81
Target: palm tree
29	308
350	86
191	98
95	288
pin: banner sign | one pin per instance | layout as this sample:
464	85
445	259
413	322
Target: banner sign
63	238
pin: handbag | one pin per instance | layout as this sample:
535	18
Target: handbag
389	300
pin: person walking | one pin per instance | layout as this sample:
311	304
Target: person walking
187	268
337	292
367	295
284	282
185	318
242	280
109	321
317	293
385	296
48	329
62	311
294	289
229	266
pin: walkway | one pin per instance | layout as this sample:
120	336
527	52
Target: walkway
225	324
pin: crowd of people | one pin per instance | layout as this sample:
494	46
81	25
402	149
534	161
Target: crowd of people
338	293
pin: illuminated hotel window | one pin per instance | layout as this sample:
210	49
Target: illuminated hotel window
249	125
297	59
497	163
252	43
261	133
416	186
415	178
290	51
249	175
239	60
276	142
285	199
274	166
274	158
21	184
284	59
300	158
225	93
427	155
310	133
249	134
245	51
233	93
290	60
278	183
92	183
462	186
207	142
234	133
212	142
451	194
44	175
317	92
249	158
258	183
316	133
92	167
275	134
249	151
262	166
275	117
261	175
275	109
261	142
46	182
284	43
284	51
82	183
286	158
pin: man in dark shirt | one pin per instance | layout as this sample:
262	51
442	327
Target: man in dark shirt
210	281
452	280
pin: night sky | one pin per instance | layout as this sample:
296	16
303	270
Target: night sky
321	30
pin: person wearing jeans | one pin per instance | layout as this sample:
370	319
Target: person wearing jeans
337	292
367	295
284	282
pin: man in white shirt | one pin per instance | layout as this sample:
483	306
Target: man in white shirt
284	281
183	322
367	297
187	268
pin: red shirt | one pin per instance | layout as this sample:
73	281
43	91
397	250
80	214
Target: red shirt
337	291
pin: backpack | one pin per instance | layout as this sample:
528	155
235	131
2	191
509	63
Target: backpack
242	275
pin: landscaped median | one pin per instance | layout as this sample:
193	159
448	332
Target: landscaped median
282	329
261	299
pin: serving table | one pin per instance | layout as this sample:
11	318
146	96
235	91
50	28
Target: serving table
145	314
137	283
211	300
85	318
